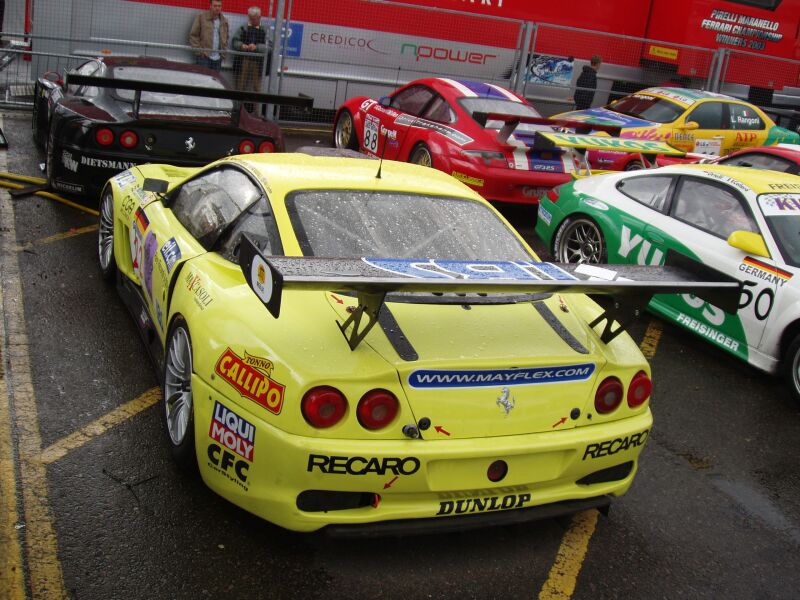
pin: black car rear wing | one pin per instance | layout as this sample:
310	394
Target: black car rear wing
630	286
511	122
186	90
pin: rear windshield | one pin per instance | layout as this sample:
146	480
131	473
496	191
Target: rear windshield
498	105
183	104
649	108
353	224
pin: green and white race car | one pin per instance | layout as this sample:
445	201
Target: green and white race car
743	222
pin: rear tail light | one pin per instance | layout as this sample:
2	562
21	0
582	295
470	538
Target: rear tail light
128	139
247	147
608	396
377	409
266	147
104	136
639	390
323	406
497	471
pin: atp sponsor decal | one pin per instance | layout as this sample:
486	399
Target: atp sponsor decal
202	296
468	179
360	465
232	431
429	378
747	138
620	444
472	505
251	377
464	269
171	253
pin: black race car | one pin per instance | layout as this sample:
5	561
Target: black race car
112	113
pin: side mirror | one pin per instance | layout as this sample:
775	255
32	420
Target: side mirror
159	186
385	101
749	242
690	125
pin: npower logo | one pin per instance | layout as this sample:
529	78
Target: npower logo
458	55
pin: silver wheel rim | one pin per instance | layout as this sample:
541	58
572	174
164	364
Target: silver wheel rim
582	243
796	372
344	131
422	157
105	236
178	385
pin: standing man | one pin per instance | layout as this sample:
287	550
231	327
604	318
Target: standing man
209	36
251	38
587	83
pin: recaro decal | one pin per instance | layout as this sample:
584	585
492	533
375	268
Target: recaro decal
360	465
611	447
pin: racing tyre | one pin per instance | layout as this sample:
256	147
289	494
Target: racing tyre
421	155
178	399
634	165
344	133
105	236
791	368
579	240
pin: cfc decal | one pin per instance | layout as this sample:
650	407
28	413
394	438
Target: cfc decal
471	505
171	253
251	377
610	447
228	464
360	465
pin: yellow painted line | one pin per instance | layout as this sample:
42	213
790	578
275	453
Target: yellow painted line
563	577
651	338
52	196
98	427
560	584
12	580
45	577
24	178
59	236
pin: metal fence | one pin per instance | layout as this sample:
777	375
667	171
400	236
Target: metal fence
337	50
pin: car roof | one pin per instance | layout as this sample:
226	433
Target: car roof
288	171
684	96
761	181
467	88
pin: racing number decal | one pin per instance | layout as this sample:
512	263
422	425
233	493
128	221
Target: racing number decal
711	313
762	302
371	134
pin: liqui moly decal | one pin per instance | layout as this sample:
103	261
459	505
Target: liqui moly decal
428	378
233	432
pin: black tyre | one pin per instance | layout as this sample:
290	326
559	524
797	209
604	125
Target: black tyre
105	236
579	240
421	155
178	403
791	368
634	165
344	132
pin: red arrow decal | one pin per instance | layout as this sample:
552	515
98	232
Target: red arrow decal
386	486
561	422
441	429
339	300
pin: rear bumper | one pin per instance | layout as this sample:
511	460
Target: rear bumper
508	185
412	484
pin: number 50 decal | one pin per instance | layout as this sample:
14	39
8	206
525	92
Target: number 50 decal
762	302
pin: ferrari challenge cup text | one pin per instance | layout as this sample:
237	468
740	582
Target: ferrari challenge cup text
358	465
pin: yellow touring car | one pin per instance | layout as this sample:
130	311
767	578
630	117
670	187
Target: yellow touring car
370	347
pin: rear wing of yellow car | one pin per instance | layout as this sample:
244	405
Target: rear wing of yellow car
185	90
511	122
548	141
371	279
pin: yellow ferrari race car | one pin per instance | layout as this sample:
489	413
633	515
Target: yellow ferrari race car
368	346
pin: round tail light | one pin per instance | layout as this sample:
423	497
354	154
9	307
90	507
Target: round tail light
376	409
323	406
104	136
497	471
247	147
608	396
266	147
128	139
639	389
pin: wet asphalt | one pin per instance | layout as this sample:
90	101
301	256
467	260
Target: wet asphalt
714	511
